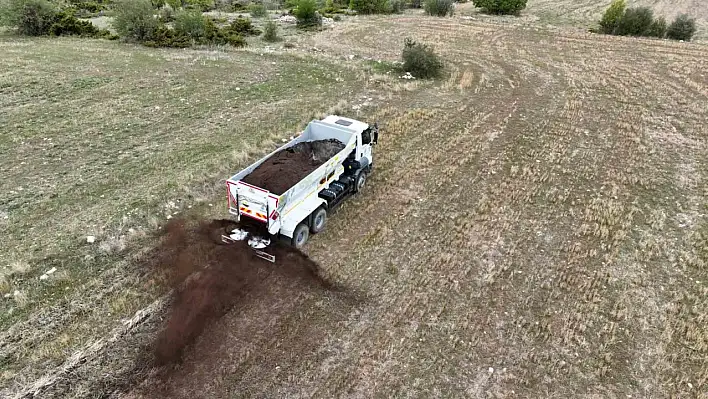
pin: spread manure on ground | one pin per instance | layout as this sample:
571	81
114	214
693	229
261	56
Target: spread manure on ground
210	277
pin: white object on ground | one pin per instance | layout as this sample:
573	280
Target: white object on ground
258	242
52	270
90	239
238	234
290	19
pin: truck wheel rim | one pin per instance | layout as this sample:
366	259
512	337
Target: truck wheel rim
319	221
362	181
300	238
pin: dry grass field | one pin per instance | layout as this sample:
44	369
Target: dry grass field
583	12
536	225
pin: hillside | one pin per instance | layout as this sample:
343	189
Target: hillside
583	12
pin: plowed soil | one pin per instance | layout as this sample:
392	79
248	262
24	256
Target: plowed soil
285	168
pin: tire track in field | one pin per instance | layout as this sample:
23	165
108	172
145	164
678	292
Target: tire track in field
365	368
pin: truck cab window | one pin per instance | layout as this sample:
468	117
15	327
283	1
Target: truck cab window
366	136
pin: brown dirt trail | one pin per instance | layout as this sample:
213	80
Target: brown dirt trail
210	277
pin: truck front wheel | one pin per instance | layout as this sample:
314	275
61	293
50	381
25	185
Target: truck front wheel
300	236
360	181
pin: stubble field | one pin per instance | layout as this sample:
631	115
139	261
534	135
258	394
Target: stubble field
535	226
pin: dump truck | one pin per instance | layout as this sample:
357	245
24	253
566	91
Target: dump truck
288	194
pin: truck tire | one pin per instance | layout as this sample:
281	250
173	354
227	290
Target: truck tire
300	236
360	181
319	219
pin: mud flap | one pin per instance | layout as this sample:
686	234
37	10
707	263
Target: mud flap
264	255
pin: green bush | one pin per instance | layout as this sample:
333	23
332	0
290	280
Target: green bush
306	14
67	24
257	10
166	13
683	28
175	4
270	31
201	5
162	36
329	7
134	20
397	6
191	32
29	17
635	22
39	18
336	7
244	27
214	35
415	4
90	7
612	16
658	28
420	60
505	7
439	8
191	24
371	6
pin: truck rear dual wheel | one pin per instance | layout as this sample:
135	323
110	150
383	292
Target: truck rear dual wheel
300	235
302	231
319	219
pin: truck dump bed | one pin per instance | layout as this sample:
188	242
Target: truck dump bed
284	169
273	186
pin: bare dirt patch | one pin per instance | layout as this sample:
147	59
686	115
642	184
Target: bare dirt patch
210	277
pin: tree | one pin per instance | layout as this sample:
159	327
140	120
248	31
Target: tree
29	17
658	28
420	60
507	7
683	28
635	22
306	14
370	6
134	20
439	8
612	16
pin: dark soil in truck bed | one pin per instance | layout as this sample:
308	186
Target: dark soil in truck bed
286	168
